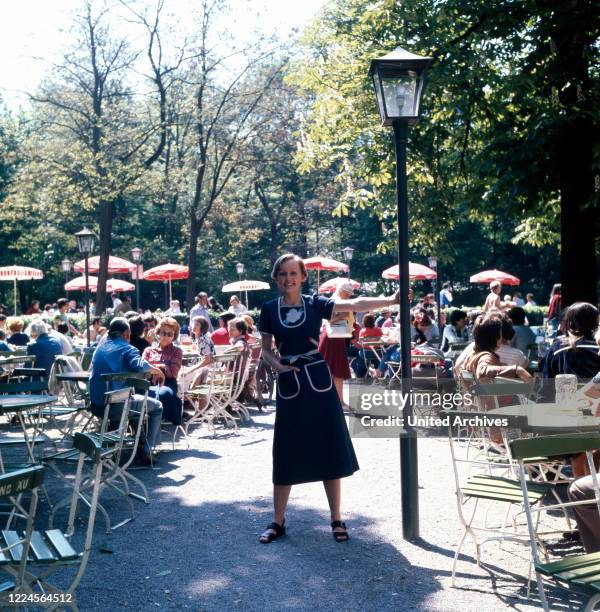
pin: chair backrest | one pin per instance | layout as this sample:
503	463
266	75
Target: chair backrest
86	357
75	392
554	446
12	484
487	395
91	449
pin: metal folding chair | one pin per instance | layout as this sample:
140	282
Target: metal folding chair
578	572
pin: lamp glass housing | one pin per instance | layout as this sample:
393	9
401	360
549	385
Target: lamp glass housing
398	80
85	241
136	254
65	265
348	253
239	268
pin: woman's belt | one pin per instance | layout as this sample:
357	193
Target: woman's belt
309	355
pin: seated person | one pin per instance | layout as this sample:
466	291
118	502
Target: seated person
507	354
60	333
365	356
15	327
44	347
196	375
370	330
138	328
150	323
221	335
238	331
236	307
3	345
423	329
455	331
524	336
586	516
63	308
385	319
117	355
168	358
96	329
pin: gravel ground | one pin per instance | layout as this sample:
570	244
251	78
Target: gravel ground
195	546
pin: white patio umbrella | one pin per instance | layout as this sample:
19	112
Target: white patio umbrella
16	273
245	286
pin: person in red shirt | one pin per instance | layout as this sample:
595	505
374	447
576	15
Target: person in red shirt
221	335
370	330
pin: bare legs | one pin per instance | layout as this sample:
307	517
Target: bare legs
281	494
333	490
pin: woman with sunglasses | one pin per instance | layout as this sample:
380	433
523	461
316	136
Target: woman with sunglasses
168	357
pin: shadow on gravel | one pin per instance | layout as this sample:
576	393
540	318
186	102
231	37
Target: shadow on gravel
502	582
207	557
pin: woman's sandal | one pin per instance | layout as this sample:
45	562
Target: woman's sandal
340	536
272	532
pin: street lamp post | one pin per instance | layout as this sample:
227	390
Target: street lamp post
240	269
398	79
433	264
136	255
65	264
85	244
348	254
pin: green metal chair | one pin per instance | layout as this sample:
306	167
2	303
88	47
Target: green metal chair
113	439
15	546
484	486
45	552
578	572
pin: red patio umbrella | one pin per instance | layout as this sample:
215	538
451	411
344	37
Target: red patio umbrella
167	272
319	263
116	265
487	276
333	283
415	272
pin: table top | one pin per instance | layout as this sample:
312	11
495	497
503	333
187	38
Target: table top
551	417
22	401
76	376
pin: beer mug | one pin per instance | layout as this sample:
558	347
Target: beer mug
566	388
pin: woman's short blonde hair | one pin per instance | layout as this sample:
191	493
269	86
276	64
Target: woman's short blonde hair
249	321
281	260
168	322
15	324
495	285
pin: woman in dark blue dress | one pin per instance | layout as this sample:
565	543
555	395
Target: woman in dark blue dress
311	441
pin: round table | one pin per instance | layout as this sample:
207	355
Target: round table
12	403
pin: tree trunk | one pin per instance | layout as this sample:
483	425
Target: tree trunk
578	267
193	252
570	25
105	221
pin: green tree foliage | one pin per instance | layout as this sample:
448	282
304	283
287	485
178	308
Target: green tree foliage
489	144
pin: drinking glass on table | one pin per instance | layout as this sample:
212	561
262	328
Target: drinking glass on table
565	386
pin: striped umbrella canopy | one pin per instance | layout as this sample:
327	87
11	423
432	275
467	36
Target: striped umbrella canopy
116	265
112	284
415	272
332	284
488	276
17	273
245	285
